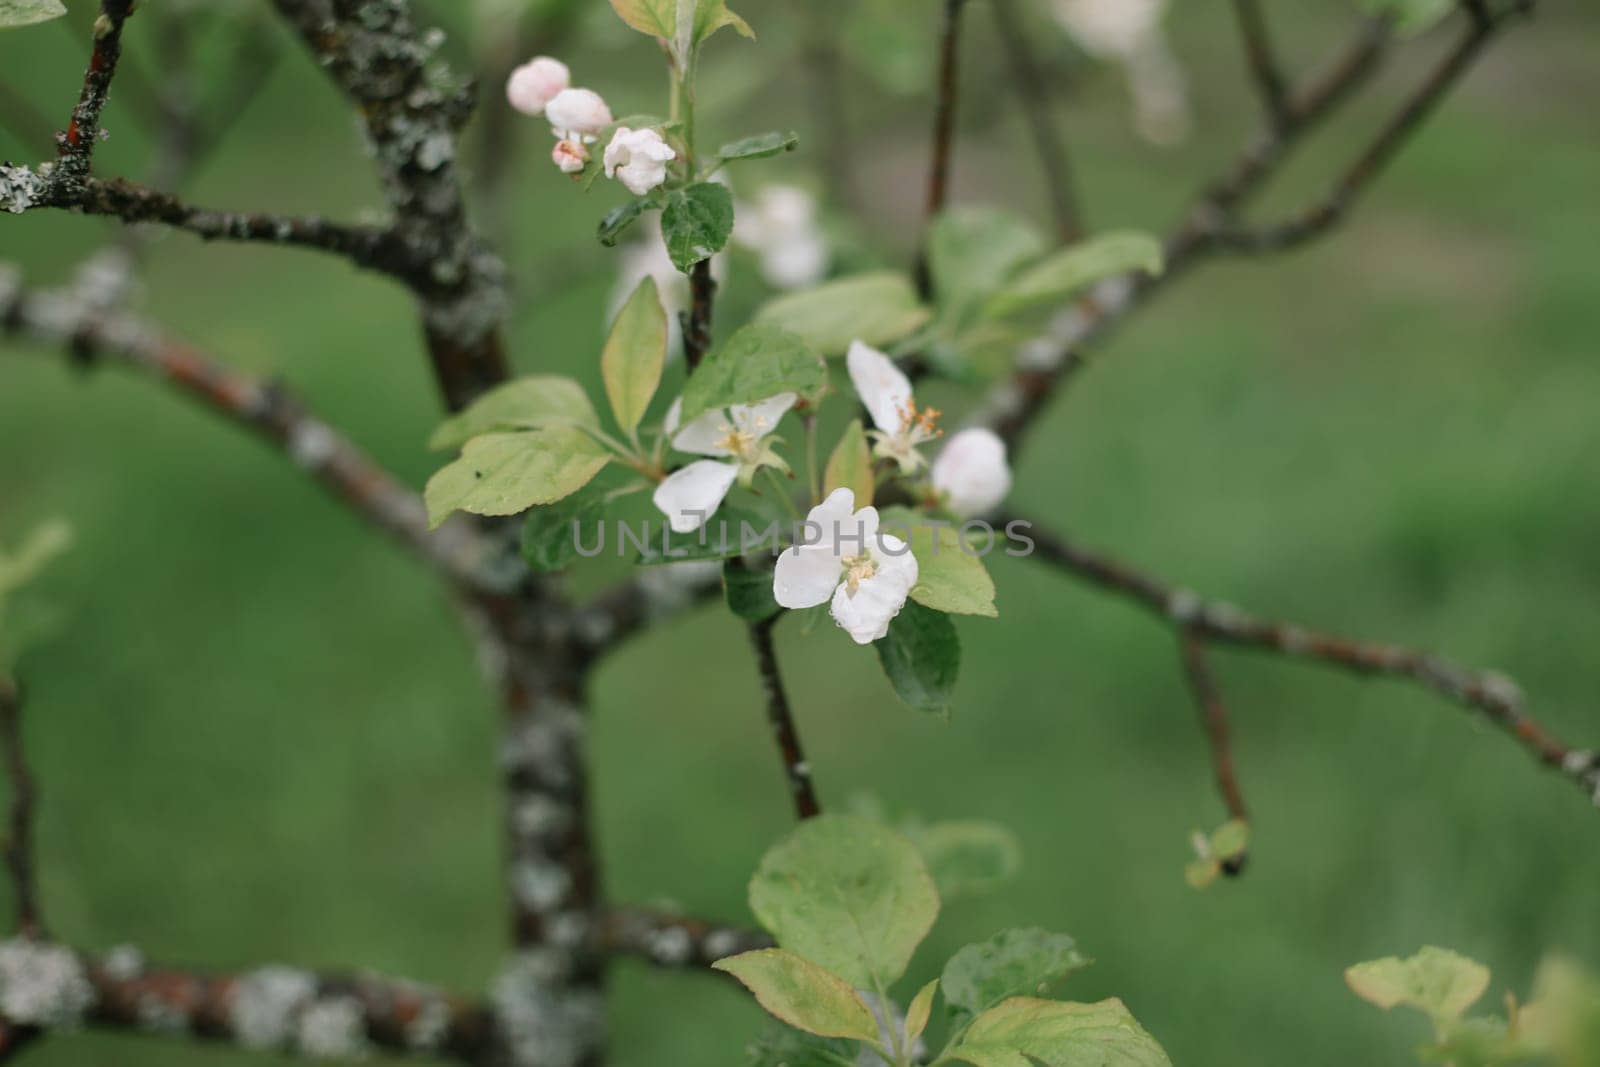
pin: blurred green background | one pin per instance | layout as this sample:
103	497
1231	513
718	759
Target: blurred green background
263	737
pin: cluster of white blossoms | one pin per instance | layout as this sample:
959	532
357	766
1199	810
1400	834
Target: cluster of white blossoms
1129	32
636	158
780	225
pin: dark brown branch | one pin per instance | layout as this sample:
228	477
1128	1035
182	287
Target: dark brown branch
270	1009
944	120
19	843
697	320
1029	79
1494	695
669	940
1321	217
77	144
781	718
1214	717
74	321
1269	79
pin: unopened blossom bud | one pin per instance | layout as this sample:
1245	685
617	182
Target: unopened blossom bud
537	82
638	159
578	113
569	156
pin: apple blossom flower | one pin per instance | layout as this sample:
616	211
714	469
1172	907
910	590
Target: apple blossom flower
740	438
638	159
781	227
970	474
570	156
886	392
578	114
866	573
534	84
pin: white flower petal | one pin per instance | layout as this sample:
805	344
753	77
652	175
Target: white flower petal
701	435
805	577
580	111
896	565
834	513
669	425
971	472
882	388
761	418
689	497
877	600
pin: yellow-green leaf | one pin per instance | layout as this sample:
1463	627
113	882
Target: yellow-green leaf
920	1009
524	404
1442	983
1059	276
951	576
507	473
658	18
802	994
711	15
1230	839
29	12
850	466
634	354
1059	1035
877	309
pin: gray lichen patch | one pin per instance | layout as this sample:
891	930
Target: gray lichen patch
43	985
545	1021
333	1028
266	1004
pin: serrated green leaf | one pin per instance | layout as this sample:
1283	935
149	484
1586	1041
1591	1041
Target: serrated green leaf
1411	17
525	404
29	12
967	856
850	465
1442	983
848	894
877	309
951	576
757	363
759	146
696	223
507	473
802	994
1058	276
551	534
748	592
1058	1035
617	221
921	655
634	354
973	251
1012	963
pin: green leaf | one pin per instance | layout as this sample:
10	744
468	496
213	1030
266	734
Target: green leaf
29	12
634	354
848	894
730	532
525	404
658	18
950	577
506	473
711	15
802	994
550	536
972	251
749	592
757	363
1437	981
1054	1034
918	1011
1064	273
1200	873
617	220
967	856
696	223
759	146
1230	839
877	309
784	1046
1012	963
922	656
850	466
1411	16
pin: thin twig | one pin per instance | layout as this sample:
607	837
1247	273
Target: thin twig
77	144
1214	717
1028	78
24	799
669	940
944	119
781	717
697	320
1269	79
1495	695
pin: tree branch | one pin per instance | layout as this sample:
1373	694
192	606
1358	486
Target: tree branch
271	1009
669	940
697	320
1494	695
1029	80
781	718
74	320
19	845
77	144
1214	717
1269	79
944	119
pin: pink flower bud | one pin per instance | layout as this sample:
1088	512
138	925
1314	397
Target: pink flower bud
578	113
534	84
570	156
